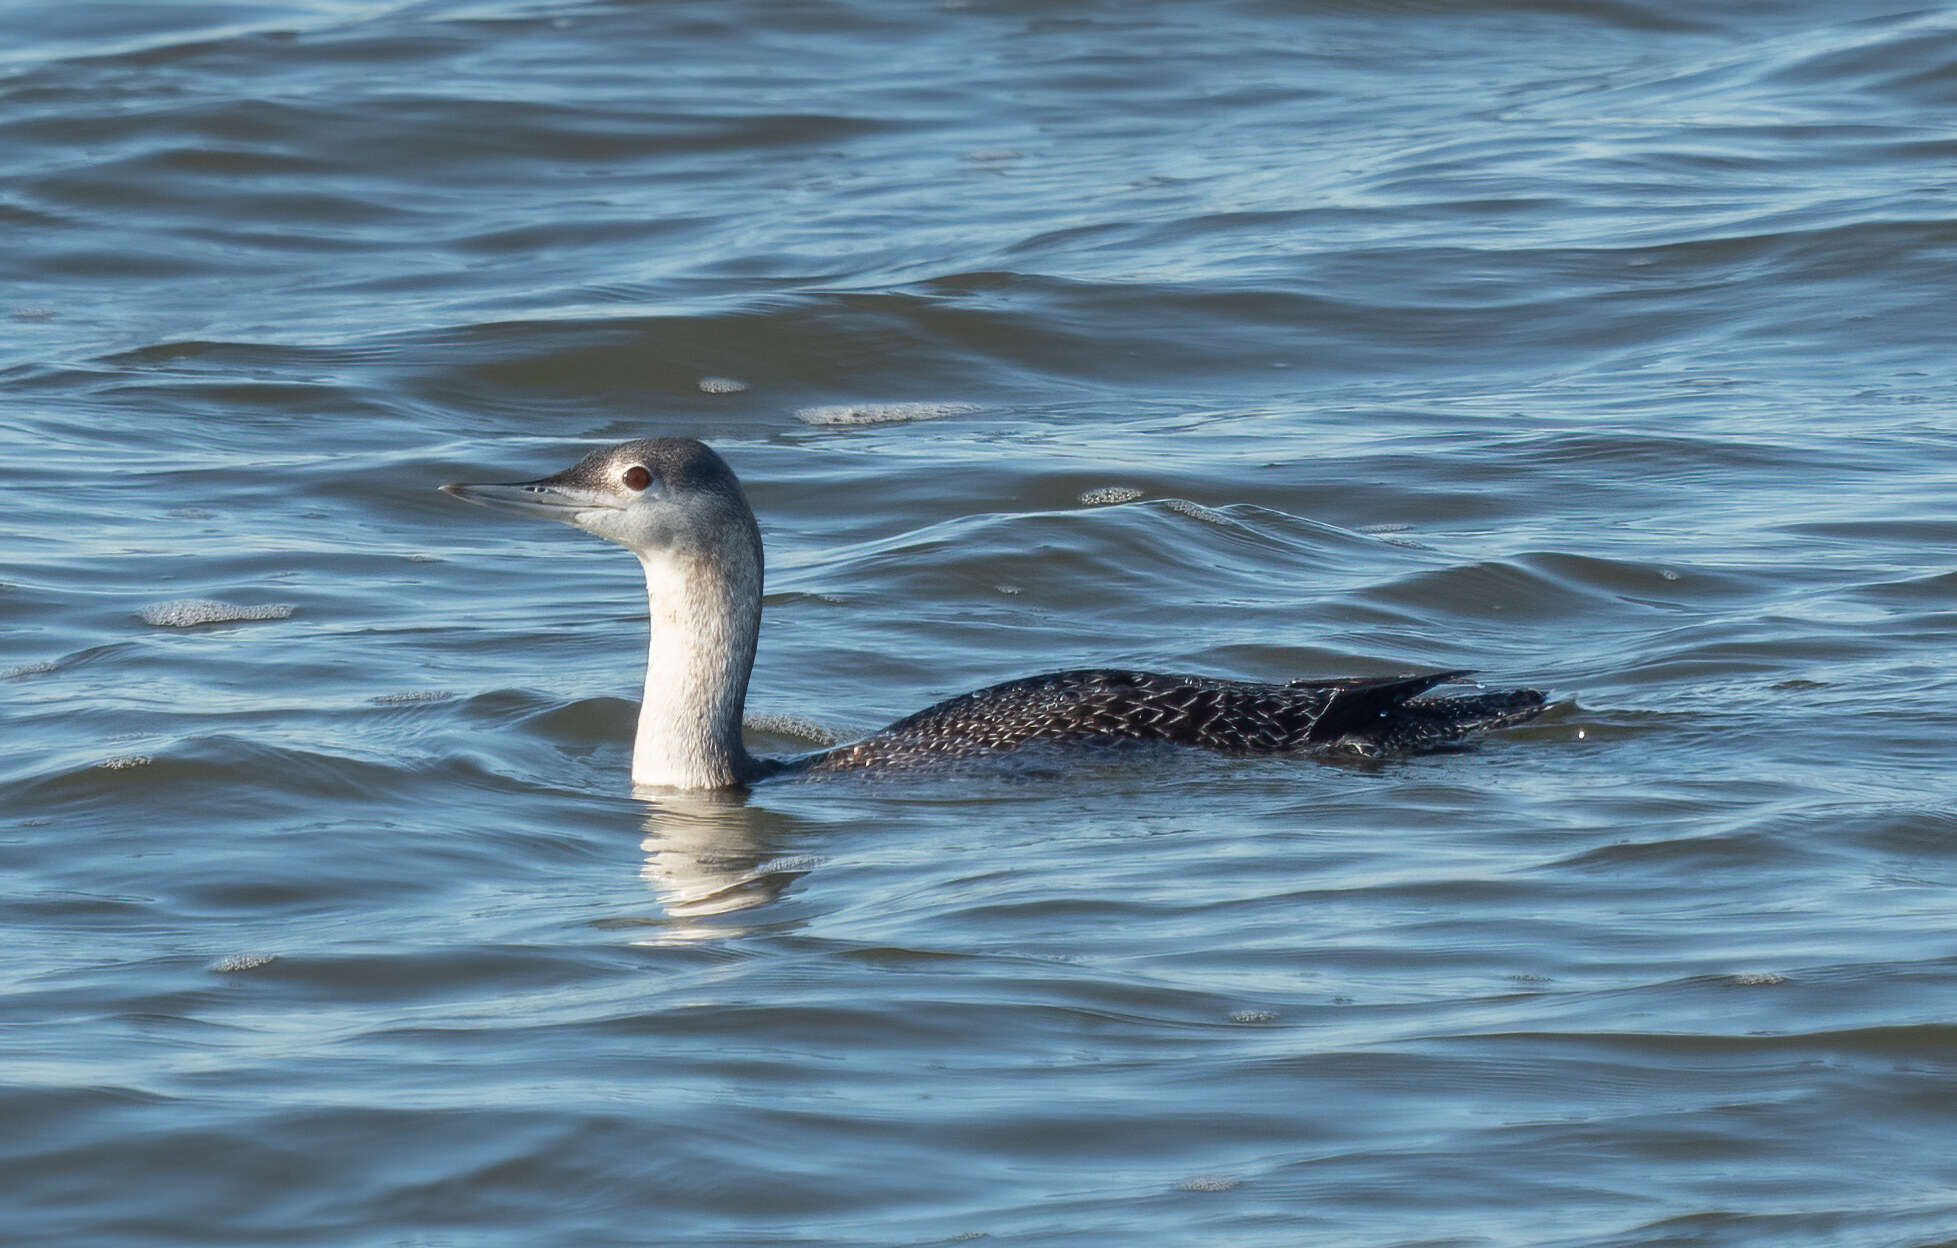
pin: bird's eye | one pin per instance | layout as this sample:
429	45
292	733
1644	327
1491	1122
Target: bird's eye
637	477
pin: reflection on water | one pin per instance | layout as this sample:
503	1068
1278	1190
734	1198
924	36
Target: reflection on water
714	853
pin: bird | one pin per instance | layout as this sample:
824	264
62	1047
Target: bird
677	506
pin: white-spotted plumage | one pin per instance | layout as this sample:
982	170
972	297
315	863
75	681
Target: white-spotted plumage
1363	716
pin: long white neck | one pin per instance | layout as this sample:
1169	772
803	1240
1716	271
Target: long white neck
706	618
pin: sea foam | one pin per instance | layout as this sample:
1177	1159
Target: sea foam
190	612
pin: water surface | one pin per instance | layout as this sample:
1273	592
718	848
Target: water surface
1604	347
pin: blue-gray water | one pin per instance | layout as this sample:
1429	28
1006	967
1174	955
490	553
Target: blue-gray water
1602	345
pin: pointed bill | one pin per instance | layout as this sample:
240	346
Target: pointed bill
550	499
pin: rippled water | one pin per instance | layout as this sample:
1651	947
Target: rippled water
1602	346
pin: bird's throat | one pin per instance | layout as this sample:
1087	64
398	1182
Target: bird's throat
701	649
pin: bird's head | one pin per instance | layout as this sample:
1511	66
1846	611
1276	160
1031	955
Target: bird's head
655	496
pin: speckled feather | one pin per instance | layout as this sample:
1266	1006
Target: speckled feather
1368	717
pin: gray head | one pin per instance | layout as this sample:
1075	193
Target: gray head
676	505
655	496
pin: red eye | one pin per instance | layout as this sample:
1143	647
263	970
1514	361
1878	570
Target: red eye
637	478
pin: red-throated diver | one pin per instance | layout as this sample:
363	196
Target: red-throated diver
677	505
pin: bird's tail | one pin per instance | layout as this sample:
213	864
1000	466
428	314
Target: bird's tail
1390	717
